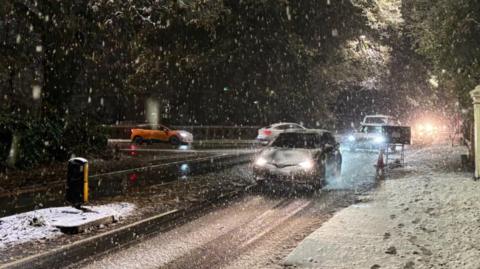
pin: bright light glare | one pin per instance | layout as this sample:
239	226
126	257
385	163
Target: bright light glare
307	165
183	147
379	139
260	162
184	168
351	138
429	127
426	128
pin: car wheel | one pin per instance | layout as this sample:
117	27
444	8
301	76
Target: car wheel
138	140
174	141
318	185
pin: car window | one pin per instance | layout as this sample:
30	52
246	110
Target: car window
379	120
374	129
297	140
162	128
296	126
282	127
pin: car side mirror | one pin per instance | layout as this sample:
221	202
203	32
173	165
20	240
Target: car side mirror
328	146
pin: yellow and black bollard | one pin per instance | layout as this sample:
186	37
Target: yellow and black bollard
85	183
77	182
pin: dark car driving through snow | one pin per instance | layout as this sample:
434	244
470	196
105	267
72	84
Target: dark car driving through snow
298	157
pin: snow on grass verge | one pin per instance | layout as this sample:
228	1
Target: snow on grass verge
40	224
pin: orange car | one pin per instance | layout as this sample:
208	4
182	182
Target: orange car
159	133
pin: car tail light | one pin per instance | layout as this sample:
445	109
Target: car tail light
267	132
133	177
133	150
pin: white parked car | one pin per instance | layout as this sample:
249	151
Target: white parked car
269	133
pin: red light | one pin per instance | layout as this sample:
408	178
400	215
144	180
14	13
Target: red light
133	177
133	149
267	132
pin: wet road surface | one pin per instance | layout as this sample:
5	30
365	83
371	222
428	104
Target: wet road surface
254	231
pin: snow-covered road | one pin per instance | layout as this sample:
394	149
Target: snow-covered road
254	232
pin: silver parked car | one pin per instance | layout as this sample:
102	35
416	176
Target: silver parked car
269	133
299	157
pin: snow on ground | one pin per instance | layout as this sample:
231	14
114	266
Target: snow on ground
40	224
425	215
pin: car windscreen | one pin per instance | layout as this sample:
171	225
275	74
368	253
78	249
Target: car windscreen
372	129
378	120
296	140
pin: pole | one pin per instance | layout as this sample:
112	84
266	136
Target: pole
475	94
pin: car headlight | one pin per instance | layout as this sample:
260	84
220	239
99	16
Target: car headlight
379	140
351	138
182	134
260	161
307	165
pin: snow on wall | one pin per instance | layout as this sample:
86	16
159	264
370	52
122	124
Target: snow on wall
40	224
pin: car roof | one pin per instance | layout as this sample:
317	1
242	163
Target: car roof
306	131
378	116
283	123
373	124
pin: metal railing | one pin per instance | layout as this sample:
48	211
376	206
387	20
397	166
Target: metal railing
200	132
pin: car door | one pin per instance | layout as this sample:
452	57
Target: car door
161	133
279	129
330	148
374	131
144	131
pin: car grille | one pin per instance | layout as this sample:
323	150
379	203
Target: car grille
278	165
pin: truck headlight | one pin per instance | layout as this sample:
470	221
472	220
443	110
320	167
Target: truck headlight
307	165
260	161
379	140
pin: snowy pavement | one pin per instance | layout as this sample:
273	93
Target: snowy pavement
39	225
425	215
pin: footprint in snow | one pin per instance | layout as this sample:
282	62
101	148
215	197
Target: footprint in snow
386	236
409	265
391	250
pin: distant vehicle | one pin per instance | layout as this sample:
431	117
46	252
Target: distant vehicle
150	133
269	133
369	136
379	119
299	157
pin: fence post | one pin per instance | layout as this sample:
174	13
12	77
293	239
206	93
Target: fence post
475	94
